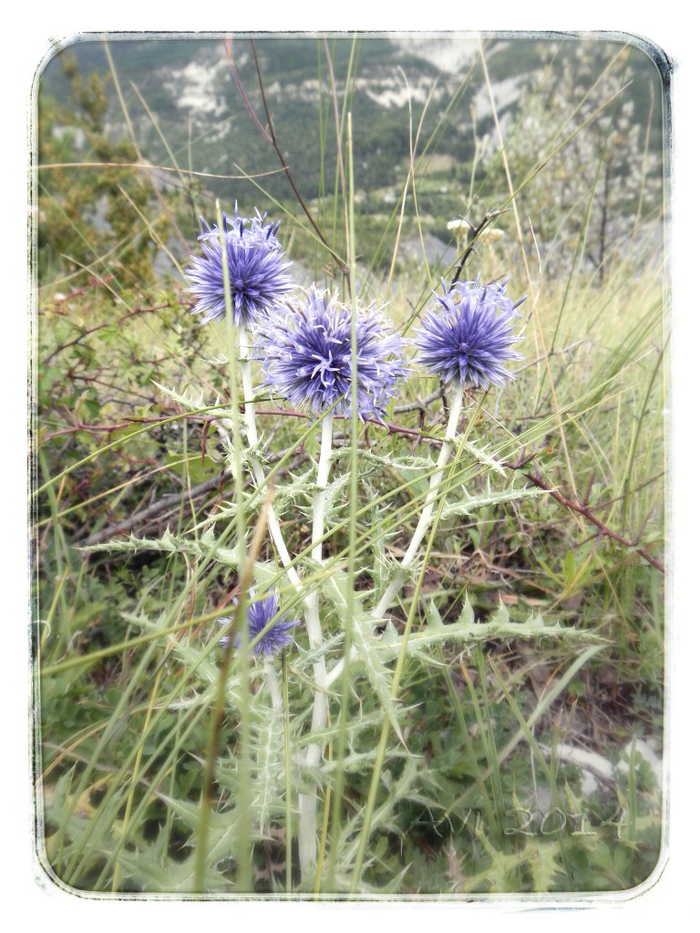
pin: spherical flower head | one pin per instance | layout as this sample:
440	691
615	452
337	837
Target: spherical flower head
468	336
260	613
247	228
306	356
256	269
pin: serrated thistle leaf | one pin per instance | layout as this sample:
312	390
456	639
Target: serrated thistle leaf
407	463
268	757
353	732
332	492
191	655
466	629
543	863
397	789
468	503
190	401
366	643
305	657
171	544
483	457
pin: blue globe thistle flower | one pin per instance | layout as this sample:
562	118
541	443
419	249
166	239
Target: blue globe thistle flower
256	270
252	228
468	336
259	615
306	355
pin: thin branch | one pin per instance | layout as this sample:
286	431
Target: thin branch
473	236
536	479
124	317
283	162
228	48
158	508
420	404
149	167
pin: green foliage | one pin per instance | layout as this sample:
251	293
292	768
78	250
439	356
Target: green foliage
92	217
533	630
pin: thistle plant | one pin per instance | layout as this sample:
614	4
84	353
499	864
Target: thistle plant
465	339
305	345
305	353
253	258
271	636
299	656
243	265
306	358
304	348
268	634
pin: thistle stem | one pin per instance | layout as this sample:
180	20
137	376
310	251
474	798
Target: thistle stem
273	685
257	467
307	802
423	525
397	580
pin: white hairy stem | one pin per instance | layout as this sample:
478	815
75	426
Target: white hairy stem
256	466
273	685
397	580
423	525
336	671
307	802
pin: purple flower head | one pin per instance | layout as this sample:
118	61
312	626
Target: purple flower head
256	270
467	337
259	615
306	355
250	228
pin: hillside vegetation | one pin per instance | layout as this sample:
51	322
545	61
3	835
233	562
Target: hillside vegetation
500	728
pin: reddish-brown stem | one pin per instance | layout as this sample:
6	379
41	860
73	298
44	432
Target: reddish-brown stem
283	162
473	236
586	512
91	330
